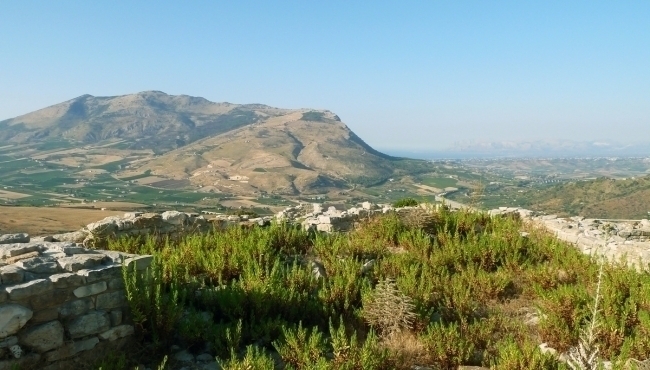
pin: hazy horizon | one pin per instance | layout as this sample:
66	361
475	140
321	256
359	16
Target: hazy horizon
409	76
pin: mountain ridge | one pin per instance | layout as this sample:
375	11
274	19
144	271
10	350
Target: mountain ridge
203	144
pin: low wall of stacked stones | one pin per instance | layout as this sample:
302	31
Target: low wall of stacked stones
168	224
59	299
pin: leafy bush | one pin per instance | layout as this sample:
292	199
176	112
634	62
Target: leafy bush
405	202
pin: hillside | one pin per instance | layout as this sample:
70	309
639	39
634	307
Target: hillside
603	197
184	142
153	119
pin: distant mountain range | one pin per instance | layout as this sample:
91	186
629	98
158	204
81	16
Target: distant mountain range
243	149
533	148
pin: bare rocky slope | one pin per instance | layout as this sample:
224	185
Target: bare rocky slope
219	147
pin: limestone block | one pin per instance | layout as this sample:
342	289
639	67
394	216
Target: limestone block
11	274
14	238
8	342
71	349
117	283
88	290
116	257
116	317
106	226
50	298
75	236
325	219
39	265
12	318
140	262
117	332
20	257
324	227
45	315
67	248
66	280
92	323
80	261
44	337
110	300
28	289
76	308
174	217
318	270
13	250
101	273
367	266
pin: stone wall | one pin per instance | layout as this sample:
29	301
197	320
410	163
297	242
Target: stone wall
170	223
59	299
612	239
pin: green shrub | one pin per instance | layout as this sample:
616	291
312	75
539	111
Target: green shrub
405	202
465	278
301	348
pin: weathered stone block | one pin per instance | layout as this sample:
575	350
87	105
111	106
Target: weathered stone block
140	262
11	274
75	308
116	257
67	247
28	289
117	332
80	261
12	260
72	349
12	318
48	299
8	342
116	317
67	280
117	283
45	315
92	323
101	273
174	217
324	227
13	250
14	238
44	337
75	236
87	290
110	300
39	265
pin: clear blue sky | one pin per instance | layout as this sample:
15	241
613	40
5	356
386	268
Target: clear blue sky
418	75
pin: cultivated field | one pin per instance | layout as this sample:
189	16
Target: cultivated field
48	220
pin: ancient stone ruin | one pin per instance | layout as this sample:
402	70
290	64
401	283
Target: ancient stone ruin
60	296
613	239
59	299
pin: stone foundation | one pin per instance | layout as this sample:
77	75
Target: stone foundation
59	299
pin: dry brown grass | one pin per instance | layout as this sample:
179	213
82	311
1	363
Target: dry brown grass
406	349
48	220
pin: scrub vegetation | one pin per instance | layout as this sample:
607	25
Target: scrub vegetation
466	289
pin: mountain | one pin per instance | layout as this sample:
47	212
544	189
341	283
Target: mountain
544	148
153	119
184	141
